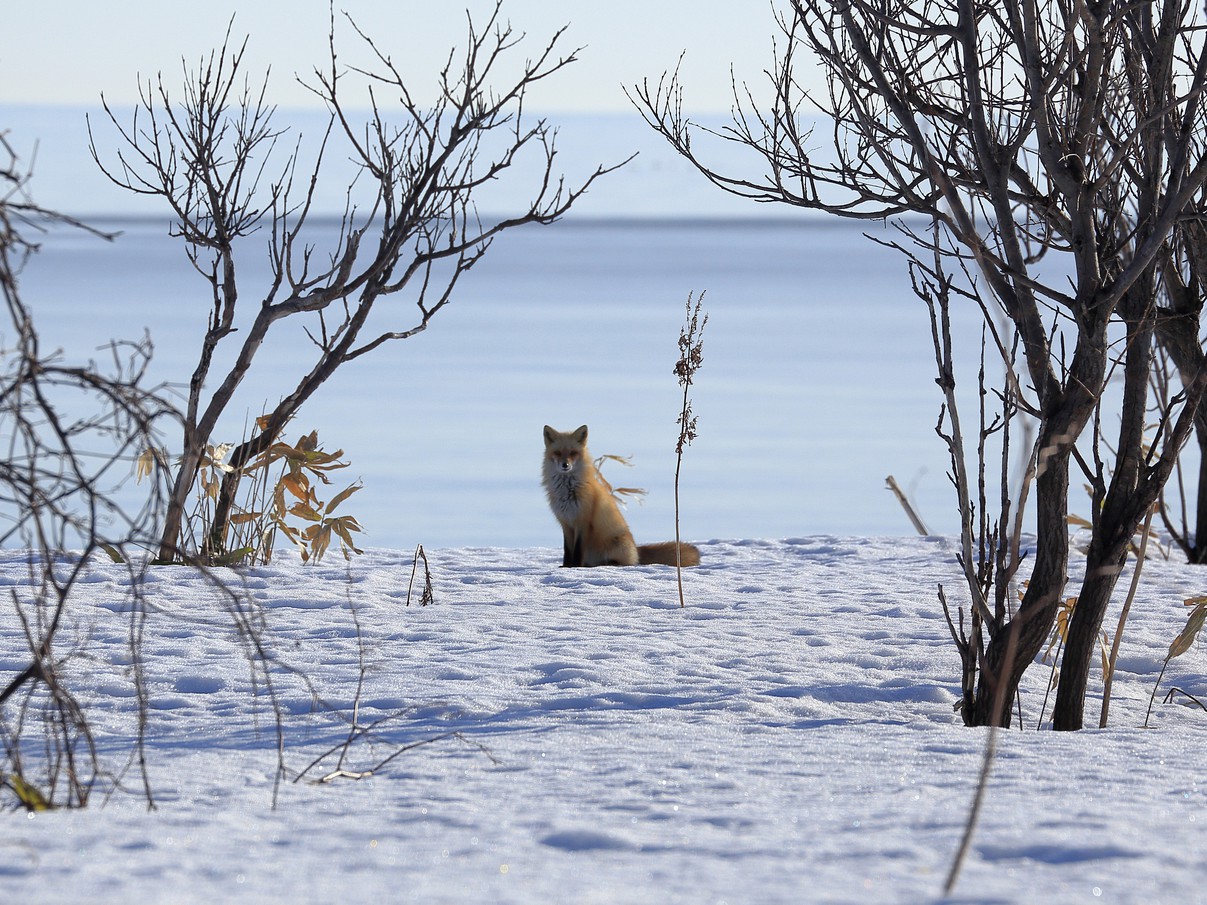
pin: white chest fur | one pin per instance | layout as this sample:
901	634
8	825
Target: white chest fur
563	490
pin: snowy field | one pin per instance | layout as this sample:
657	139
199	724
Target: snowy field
787	737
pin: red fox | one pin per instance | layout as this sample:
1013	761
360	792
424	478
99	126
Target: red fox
594	531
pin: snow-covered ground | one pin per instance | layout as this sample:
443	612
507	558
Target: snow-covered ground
788	736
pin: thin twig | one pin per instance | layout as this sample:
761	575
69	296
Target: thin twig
427	596
978	798
910	512
1108	679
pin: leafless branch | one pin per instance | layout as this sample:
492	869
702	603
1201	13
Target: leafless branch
412	225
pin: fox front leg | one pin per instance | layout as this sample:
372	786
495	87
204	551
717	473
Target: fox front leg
572	549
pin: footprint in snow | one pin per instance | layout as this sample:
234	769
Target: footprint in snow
586	841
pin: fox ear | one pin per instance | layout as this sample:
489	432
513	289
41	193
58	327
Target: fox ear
580	435
549	432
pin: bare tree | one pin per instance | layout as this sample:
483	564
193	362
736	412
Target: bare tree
422	165
71	435
990	529
74	437
1184	291
1053	148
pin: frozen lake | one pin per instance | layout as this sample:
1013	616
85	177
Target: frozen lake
817	379
818	376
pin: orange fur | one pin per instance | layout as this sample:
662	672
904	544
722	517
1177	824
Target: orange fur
594	532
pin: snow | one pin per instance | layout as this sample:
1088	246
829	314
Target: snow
788	736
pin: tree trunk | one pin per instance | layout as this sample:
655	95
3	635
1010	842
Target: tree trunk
1195	545
1103	568
1196	549
1016	644
1117	515
228	487
1178	334
170	541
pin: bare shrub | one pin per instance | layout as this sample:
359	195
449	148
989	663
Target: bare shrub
411	226
1049	152
691	357
71	434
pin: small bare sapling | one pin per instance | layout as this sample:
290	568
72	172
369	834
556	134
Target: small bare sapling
691	356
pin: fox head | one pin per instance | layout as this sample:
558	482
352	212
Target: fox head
564	450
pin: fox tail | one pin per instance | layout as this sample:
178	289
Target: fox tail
664	554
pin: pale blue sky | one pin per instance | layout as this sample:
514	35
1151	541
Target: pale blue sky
68	51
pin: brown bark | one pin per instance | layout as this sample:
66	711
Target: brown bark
1013	646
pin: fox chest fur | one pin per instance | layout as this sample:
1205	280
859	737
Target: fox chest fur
563	489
